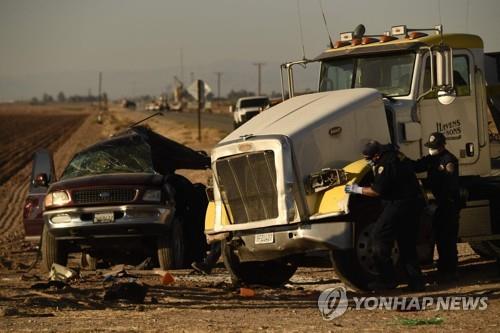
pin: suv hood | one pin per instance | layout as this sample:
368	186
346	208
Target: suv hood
143	179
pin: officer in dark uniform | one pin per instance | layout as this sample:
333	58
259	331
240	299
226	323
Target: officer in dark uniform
443	181
397	186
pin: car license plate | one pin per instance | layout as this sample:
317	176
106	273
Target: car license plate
266	238
104	217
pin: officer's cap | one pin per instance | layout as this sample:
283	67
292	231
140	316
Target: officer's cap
371	149
436	140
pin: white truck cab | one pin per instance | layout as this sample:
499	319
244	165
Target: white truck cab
279	179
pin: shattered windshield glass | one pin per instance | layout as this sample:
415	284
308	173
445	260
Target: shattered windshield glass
129	155
391	74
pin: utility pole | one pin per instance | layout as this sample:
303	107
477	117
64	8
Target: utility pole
100	91
219	75
182	66
259	67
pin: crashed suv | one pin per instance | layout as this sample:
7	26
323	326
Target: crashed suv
121	200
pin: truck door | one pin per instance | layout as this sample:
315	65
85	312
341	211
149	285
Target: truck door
458	121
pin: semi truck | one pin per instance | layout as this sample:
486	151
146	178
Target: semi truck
279	179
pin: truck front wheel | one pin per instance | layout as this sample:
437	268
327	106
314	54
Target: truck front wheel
356	267
269	273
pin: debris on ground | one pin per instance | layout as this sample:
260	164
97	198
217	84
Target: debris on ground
130	291
165	277
147	263
62	273
30	277
117	271
5	263
57	284
247	292
424	321
8	311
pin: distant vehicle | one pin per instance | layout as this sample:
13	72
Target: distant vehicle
128	104
248	107
121	201
158	104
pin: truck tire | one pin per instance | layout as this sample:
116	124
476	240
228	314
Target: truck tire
170	247
355	267
270	273
52	251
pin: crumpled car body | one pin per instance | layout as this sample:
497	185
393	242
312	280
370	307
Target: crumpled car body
120	200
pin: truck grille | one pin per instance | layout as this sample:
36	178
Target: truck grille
103	195
247	185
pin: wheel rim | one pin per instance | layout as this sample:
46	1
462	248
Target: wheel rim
365	253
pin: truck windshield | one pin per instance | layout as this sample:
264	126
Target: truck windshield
254	102
129	156
391	74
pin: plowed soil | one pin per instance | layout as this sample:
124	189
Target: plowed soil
23	130
192	303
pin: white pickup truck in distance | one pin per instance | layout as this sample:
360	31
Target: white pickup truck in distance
248	107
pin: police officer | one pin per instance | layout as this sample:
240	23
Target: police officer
396	184
443	181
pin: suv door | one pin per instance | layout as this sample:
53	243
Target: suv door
33	206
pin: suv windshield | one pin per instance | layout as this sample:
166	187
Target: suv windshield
254	102
128	155
391	74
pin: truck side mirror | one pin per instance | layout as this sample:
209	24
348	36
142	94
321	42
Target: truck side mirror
446	95
444	75
41	180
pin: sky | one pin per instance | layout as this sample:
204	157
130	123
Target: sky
47	46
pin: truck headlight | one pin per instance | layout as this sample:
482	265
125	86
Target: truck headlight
325	179
152	195
57	198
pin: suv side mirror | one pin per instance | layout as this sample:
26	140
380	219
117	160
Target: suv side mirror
41	180
231	108
444	75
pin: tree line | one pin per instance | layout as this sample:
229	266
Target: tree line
62	98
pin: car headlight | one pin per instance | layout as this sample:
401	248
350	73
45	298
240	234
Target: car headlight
58	198
152	195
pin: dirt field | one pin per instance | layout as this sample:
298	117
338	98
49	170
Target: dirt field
192	302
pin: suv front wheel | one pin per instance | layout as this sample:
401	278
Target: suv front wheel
53	251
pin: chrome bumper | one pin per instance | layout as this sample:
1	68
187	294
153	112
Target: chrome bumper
125	216
294	239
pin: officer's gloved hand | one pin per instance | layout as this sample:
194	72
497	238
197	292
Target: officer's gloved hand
354	188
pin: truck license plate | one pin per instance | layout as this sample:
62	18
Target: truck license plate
104	217
266	238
